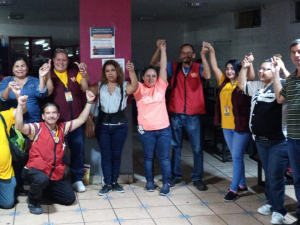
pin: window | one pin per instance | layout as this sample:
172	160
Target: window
249	19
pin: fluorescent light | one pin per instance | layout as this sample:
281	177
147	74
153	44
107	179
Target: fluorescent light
26	47
45	45
40	42
26	43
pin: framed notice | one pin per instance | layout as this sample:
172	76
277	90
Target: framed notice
102	42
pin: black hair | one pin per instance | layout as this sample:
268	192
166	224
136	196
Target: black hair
187	45
50	104
236	64
268	60
18	58
295	42
151	67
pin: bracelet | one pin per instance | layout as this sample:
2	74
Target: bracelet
89	102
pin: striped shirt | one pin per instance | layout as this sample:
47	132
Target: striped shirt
291	91
110	102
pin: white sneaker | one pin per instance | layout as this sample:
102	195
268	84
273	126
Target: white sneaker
277	218
78	186
265	209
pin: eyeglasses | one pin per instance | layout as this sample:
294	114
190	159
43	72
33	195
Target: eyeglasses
186	53
263	69
60	50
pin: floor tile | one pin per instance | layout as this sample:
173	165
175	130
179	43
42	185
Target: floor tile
164	212
7	211
99	215
132	213
6	219
195	210
211	197
30	219
63	217
155	201
138	222
226	208
238	219
171	221
185	199
58	208
95	204
207	220
23	208
125	202
92	194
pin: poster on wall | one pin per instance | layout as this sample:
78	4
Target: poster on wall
120	61
102	42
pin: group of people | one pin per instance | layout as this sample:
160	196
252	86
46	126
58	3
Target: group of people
265	110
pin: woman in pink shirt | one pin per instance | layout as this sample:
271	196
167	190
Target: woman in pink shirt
154	126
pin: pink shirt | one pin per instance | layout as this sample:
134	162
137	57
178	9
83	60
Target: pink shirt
151	105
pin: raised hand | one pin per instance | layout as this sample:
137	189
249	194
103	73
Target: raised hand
249	57
82	68
45	69
245	63
208	46
90	96
130	66
205	48
159	42
163	46
16	90
22	100
276	65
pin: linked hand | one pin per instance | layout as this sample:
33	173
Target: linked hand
90	96
130	66
82	68
22	100
249	57
45	69
159	42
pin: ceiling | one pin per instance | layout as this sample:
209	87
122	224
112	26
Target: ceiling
53	11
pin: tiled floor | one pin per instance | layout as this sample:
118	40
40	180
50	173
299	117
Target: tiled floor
185	204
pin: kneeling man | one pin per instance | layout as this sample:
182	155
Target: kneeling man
45	167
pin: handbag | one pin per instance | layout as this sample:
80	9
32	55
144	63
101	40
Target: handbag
17	143
90	123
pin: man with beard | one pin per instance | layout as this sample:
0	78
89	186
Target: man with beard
185	106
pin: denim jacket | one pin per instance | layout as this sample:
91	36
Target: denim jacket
31	88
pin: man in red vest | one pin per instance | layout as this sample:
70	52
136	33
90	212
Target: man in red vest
185	106
69	85
45	168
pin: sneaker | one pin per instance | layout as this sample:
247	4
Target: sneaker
34	208
165	189
150	186
265	210
277	218
78	186
105	189
175	181
200	185
118	188
242	190
231	196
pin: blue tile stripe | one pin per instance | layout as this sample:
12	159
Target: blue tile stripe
108	198
248	213
204	203
118	220
222	192
14	214
48	223
81	210
131	188
144	207
184	216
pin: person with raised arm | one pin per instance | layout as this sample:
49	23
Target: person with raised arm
45	167
268	126
185	106
232	113
153	122
112	125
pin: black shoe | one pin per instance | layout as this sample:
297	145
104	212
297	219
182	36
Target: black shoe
34	208
175	181
105	189
118	188
243	190
200	185
230	197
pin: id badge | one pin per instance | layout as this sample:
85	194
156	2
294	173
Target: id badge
226	110
69	96
140	129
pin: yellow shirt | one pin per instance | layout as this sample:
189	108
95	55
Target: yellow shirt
64	77
6	169
227	121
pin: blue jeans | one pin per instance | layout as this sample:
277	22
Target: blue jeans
294	156
159	140
75	143
237	143
7	193
274	158
111	139
192	126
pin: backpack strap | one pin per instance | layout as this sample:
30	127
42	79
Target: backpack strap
122	94
4	123
178	68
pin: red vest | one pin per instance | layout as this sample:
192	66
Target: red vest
46	155
187	97
68	110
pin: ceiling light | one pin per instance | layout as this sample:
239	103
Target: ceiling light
40	42
16	16
26	43
7	2
45	45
